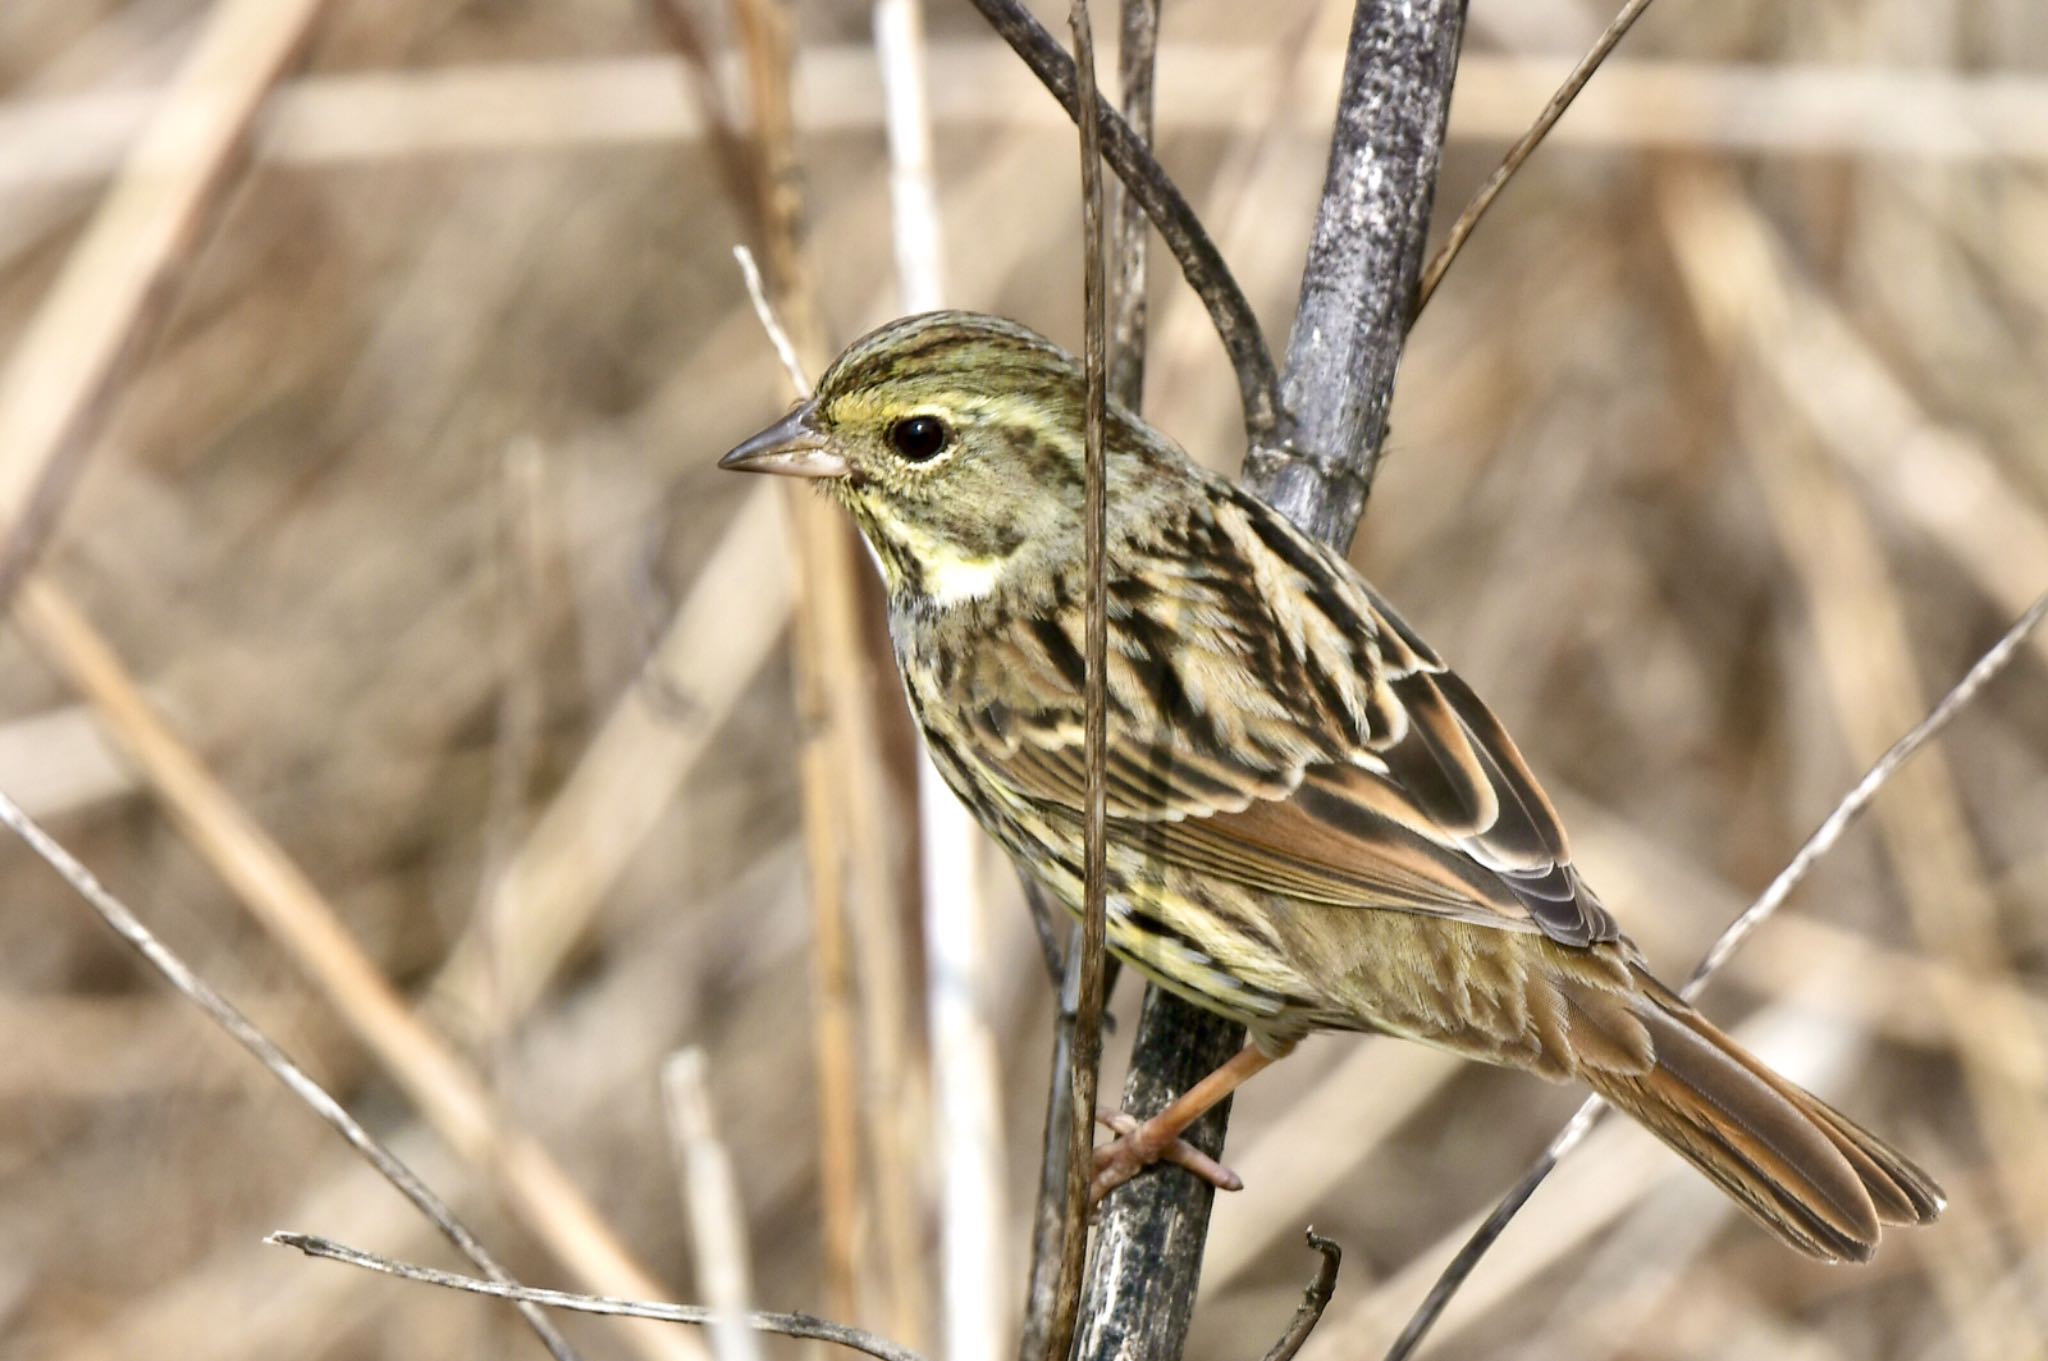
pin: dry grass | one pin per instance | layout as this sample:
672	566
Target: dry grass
1720	453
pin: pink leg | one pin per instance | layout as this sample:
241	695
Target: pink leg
1137	1146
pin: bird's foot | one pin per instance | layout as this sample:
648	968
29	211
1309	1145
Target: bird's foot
1139	1145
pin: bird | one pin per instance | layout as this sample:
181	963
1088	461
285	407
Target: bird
1313	823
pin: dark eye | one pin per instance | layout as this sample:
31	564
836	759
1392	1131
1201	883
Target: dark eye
918	438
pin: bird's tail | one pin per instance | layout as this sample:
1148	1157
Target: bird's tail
1801	1168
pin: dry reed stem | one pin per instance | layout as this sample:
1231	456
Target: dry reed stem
244	1032
1928	474
836	756
63	374
966	1091
785	1325
843	796
387	117
1866	660
522	572
553	884
711	1201
288	906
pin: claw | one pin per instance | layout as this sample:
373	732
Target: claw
1138	1146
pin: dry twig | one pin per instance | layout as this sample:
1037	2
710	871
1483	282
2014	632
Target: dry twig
244	1032
711	1198
1824	838
1086	1051
1524	147
786	1325
62	376
846	814
288	906
1265	418
1314	1300
966	1091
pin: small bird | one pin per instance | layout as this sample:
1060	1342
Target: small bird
1314	824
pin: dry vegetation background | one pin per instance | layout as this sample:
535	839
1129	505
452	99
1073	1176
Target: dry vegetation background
1721	453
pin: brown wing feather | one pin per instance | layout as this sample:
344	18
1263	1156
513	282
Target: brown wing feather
1359	770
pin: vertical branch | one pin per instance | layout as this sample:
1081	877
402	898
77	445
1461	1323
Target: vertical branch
1356	296
1126	384
1087	1040
1358	289
1201	264
1136	57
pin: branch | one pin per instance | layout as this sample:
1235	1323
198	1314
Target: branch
1359	287
116	286
1824	839
803	1326
1314	1300
291	910
224	1014
1137	56
1085	1057
1356	289
1525	145
1265	418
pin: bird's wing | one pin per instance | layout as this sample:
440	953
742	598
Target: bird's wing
1312	744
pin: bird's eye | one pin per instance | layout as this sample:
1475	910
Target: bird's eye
919	438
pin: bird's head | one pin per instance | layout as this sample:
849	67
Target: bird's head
956	440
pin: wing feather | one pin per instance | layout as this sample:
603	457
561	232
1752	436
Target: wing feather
1299	738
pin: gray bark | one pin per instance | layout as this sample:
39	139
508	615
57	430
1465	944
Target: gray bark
1357	294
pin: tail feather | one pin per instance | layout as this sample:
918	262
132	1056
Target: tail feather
1798	1166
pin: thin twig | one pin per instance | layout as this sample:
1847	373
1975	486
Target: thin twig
224	1014
785	349
1454	240
1823	839
711	1202
1862	793
1049	1215
1043	927
1086	1052
59	383
803	1326
291	909
1316	1299
1125	380
1266	422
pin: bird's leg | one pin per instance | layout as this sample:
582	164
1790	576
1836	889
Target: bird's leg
1137	1146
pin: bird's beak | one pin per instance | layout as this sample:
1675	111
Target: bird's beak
793	447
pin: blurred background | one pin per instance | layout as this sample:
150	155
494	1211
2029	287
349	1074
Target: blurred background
1720	454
